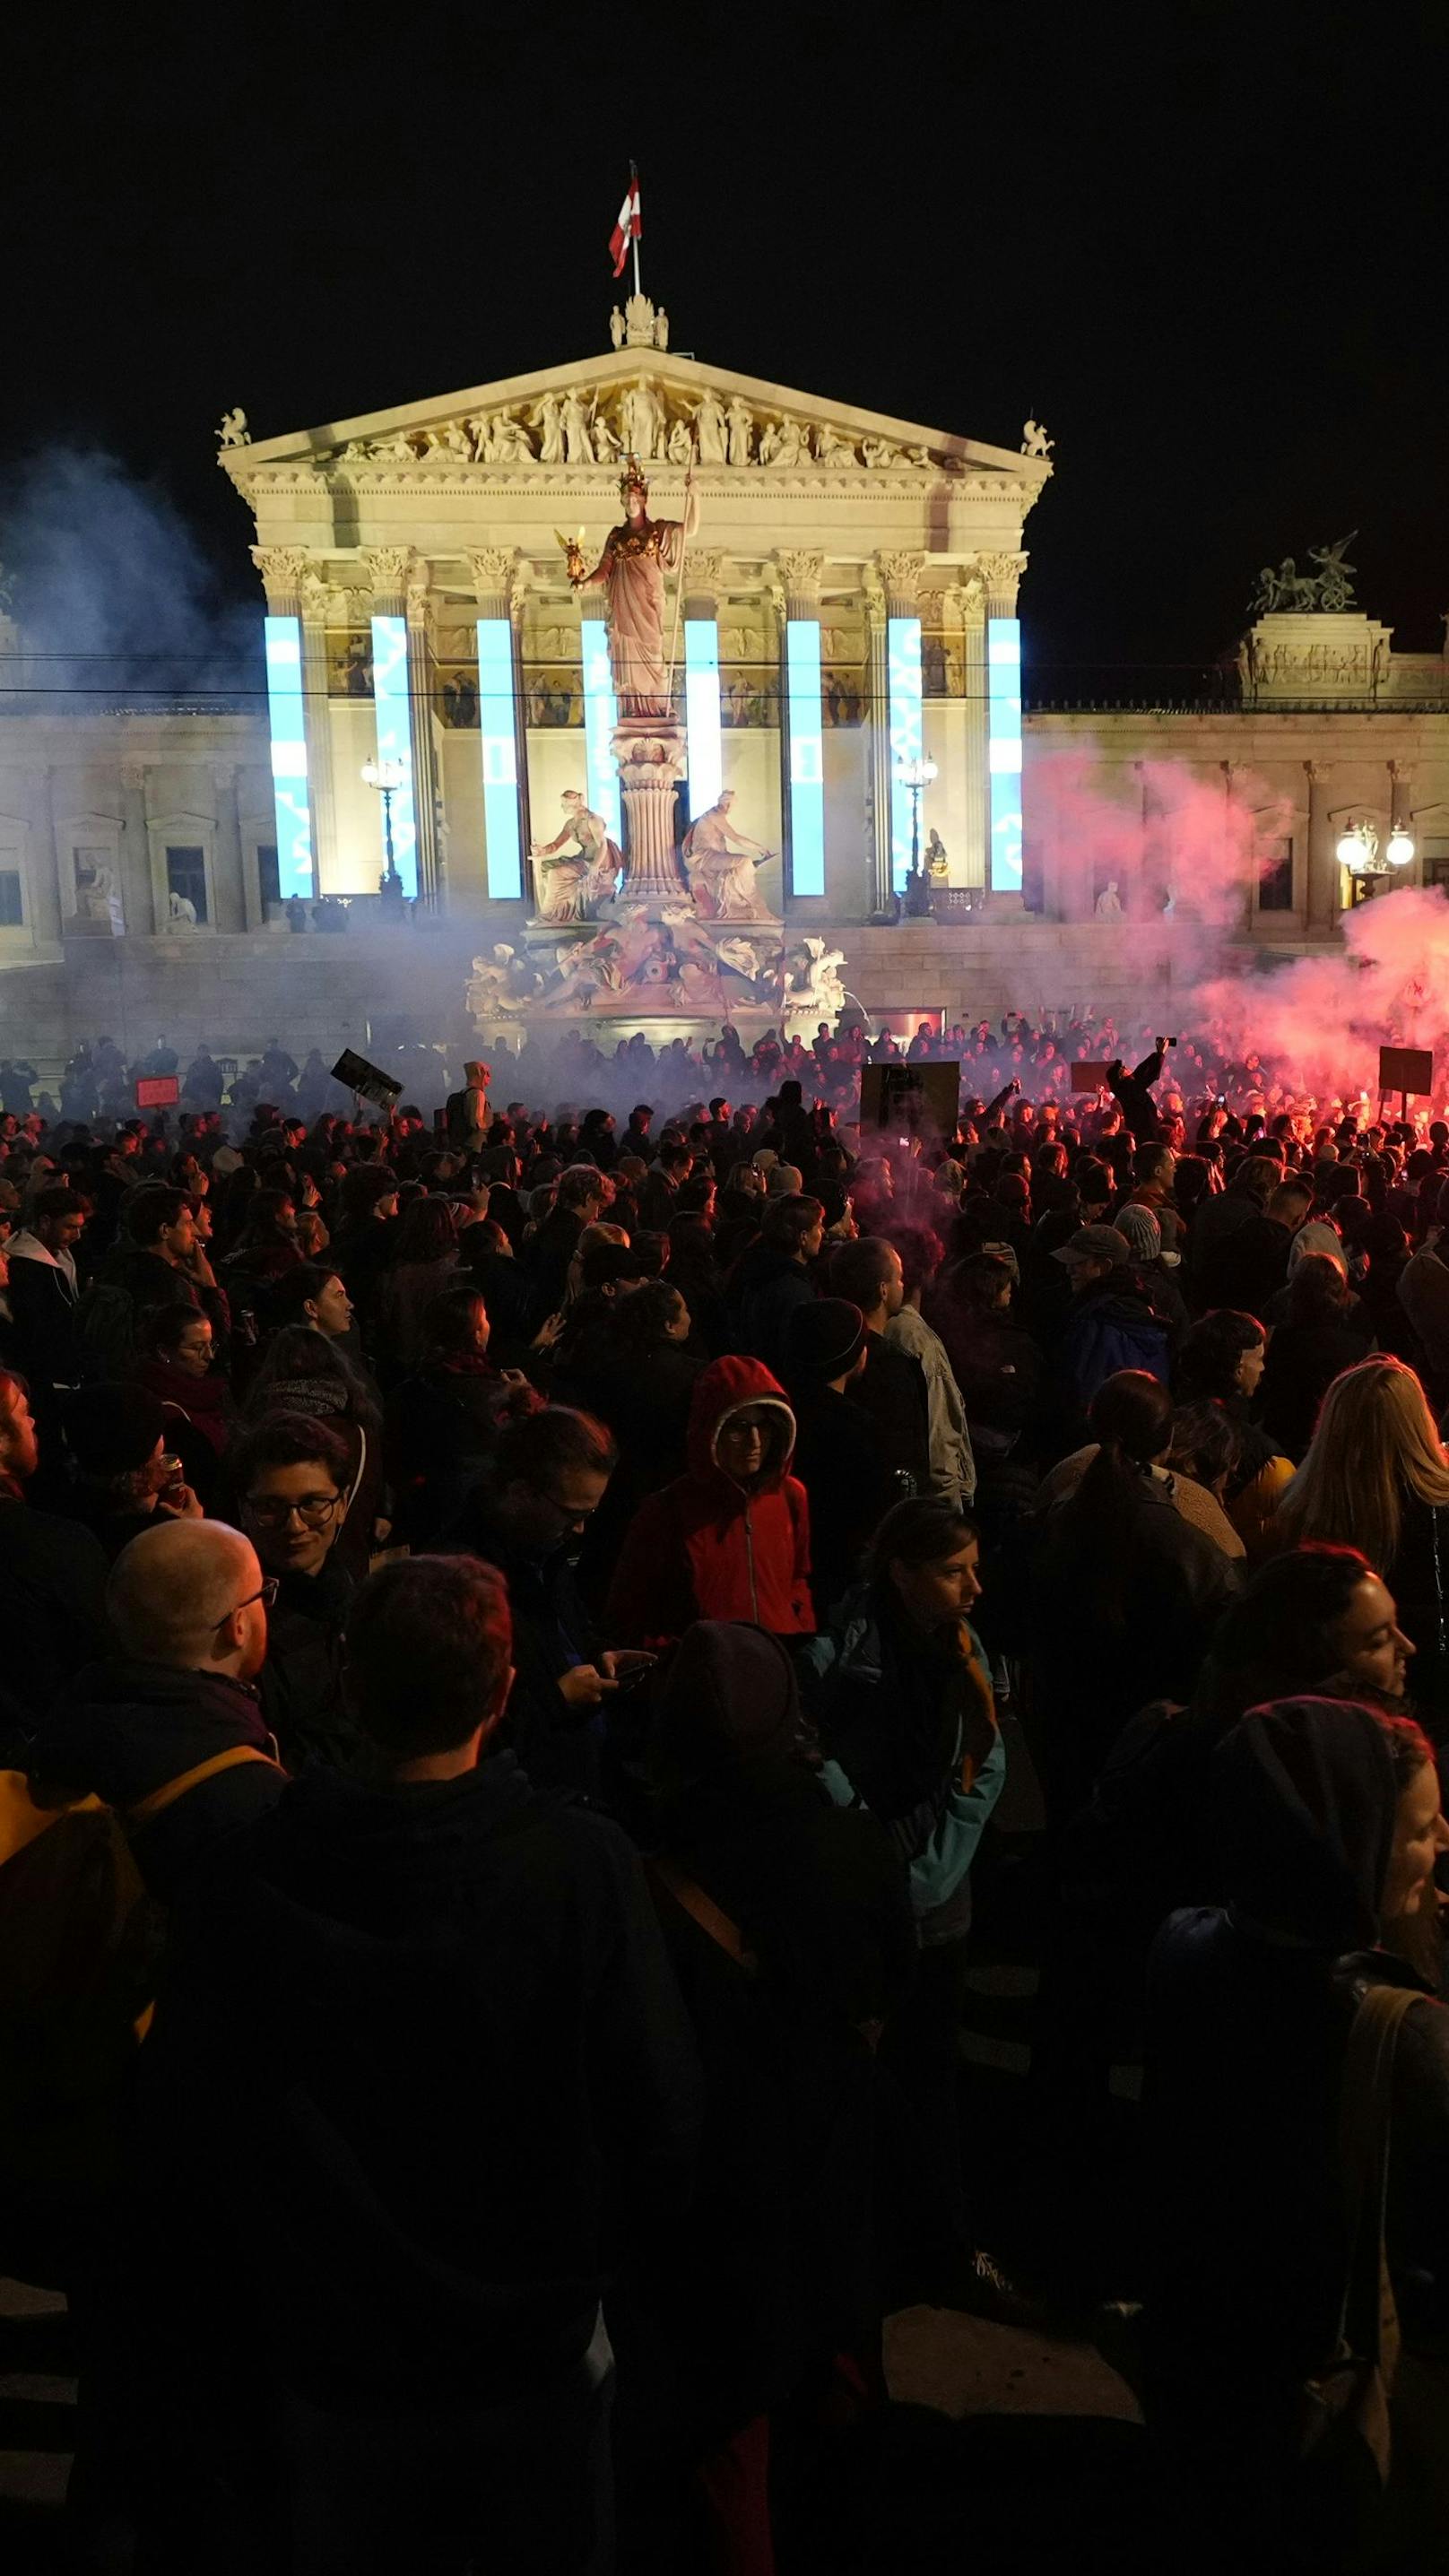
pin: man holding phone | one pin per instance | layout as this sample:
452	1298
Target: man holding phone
546	1479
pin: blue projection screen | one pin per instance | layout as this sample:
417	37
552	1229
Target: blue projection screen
701	712
500	759
394	738
903	658
807	756
1003	678
283	647
601	714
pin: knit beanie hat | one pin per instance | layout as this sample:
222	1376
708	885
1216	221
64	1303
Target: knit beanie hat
823	1340
112	1429
1140	1231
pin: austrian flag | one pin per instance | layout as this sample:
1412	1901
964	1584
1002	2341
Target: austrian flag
628	226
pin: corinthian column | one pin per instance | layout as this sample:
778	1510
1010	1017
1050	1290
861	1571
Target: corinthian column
971	598
878	682
423	732
1322	856
801	782
317	724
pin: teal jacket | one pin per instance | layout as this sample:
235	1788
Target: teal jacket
938	1834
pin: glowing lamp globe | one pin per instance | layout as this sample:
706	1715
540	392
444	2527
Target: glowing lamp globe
1350	850
1400	849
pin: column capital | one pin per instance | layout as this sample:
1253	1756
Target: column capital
387	572
133	773
966	599
314	593
491	568
1402	773
281	569
1318	772
901	574
704	582
1002	574
801	573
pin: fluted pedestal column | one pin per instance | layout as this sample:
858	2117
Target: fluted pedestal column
649	752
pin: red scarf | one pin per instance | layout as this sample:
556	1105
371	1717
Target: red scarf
203	1400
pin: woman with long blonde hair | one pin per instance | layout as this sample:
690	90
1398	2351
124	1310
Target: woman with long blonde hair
1376	1477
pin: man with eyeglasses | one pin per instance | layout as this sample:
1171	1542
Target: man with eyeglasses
290	1476
169	1730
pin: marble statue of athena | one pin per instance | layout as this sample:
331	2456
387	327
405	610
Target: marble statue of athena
631	568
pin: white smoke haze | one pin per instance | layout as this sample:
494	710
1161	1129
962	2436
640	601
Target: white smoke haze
113	596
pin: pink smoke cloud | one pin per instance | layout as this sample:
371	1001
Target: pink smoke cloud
1318	1023
1163	831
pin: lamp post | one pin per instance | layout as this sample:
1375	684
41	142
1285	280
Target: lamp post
916	776
386	776
1357	849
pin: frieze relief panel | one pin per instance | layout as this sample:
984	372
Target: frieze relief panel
589	425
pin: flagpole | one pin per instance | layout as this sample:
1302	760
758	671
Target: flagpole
634	226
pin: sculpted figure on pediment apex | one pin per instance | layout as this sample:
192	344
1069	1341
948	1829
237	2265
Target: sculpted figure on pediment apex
742	431
781	443
712	429
641	419
577	430
547	419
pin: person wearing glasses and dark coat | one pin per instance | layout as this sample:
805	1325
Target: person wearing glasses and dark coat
528	1516
291	1481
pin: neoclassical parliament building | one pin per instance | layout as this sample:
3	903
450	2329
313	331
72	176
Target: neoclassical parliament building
848	623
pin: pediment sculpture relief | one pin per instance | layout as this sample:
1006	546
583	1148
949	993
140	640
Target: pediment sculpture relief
657	422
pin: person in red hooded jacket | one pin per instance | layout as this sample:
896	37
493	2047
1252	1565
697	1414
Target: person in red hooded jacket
729	1539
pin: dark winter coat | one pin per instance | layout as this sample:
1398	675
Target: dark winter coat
124	1728
423	2045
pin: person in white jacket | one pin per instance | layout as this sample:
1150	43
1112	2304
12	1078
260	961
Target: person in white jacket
953	1468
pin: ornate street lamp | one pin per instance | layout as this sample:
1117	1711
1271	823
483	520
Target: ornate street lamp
1358	850
387	776
916	776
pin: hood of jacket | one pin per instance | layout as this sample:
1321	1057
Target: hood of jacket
729	1703
1306	1798
726	1387
26	1246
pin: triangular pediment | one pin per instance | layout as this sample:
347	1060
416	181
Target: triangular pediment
663	405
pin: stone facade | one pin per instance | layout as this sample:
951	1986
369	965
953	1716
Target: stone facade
138	852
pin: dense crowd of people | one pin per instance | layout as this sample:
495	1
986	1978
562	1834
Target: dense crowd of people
516	1626
542	1061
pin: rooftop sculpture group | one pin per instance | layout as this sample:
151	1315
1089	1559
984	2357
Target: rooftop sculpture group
1325	592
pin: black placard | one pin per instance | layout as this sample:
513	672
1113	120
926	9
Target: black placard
910	1099
1406	1069
367	1079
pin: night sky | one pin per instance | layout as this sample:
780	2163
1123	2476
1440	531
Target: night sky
1205	246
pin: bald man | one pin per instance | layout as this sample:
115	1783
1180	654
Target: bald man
168	1730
